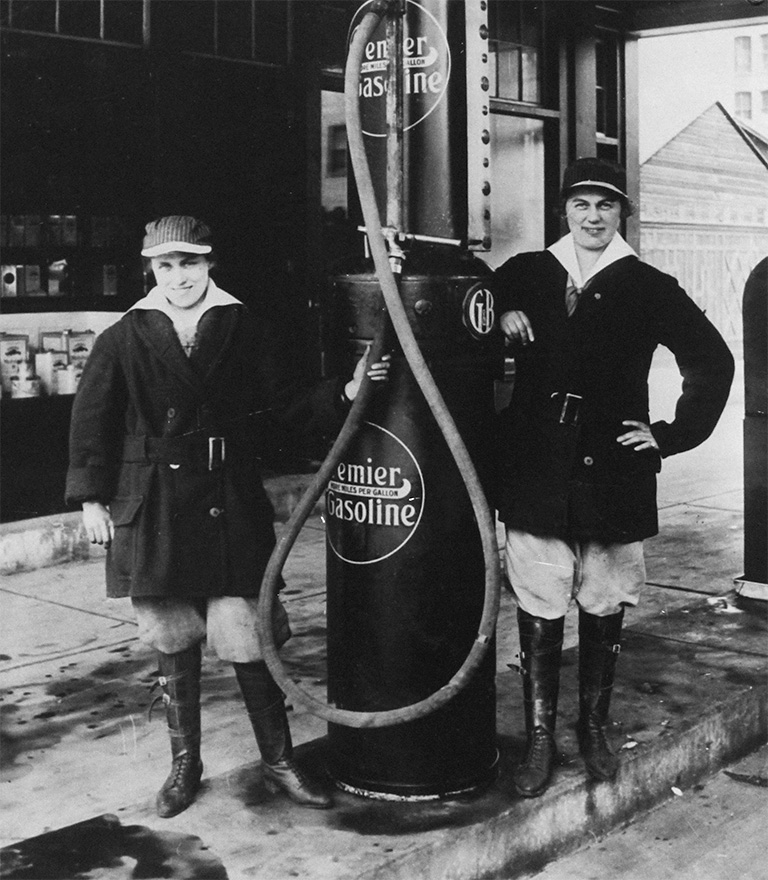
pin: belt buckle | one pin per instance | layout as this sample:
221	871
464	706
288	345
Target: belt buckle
216	452
569	413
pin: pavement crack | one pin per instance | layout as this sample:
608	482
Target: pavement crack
64	654
698	646
67	606
678	589
749	778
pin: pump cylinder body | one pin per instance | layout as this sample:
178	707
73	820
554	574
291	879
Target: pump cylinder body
406	572
443	127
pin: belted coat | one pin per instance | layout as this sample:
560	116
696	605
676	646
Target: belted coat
562	472
190	512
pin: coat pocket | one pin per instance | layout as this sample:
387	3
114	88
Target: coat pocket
124	510
122	553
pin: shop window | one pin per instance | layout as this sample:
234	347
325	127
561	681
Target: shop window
764	46
339	236
332	21
80	18
517	193
336	164
235	33
124	21
247	30
744	105
270	31
764	103
334	151
32	15
119	21
183	25
515	50
607	59
608	151
743	54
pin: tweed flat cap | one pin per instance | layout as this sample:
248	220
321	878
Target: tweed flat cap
168	234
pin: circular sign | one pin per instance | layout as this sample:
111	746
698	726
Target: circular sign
426	69
375	498
478	311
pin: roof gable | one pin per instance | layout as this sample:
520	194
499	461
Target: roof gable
715	130
710	162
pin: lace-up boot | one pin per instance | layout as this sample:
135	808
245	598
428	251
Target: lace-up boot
541	645
180	681
266	709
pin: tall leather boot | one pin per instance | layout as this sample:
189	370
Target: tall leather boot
541	646
599	649
180	681
266	709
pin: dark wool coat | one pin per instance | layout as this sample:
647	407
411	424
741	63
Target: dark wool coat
573	480
139	442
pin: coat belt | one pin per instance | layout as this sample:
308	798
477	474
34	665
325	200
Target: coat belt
199	451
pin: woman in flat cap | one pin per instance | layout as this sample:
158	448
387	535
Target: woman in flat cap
164	458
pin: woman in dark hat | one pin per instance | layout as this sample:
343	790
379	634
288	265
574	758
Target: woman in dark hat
164	458
578	454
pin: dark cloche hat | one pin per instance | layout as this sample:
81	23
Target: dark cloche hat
595	172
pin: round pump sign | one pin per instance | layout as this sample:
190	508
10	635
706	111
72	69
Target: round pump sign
375	498
426	69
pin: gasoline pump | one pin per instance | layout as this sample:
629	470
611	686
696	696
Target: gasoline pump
412	562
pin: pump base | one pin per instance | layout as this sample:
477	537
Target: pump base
419	794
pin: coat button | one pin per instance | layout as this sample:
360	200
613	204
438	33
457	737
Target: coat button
589	460
215	511
598	295
171	413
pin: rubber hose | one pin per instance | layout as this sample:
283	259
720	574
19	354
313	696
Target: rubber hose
444	419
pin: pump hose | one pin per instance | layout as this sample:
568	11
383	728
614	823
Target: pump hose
355	417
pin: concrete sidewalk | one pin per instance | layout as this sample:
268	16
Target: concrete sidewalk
81	762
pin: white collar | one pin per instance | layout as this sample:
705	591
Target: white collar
214	296
564	251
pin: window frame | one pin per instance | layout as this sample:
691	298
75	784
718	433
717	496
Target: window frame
742	58
146	42
743	112
520	46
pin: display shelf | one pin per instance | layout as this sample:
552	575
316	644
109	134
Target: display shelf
15	305
71	260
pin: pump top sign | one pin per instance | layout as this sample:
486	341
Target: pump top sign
426	69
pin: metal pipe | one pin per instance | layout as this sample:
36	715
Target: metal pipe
394	111
413	236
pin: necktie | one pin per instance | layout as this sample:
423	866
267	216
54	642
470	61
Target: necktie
572	294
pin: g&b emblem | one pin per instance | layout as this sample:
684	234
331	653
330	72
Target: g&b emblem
478	311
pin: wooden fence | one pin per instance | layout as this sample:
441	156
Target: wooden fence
711	264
